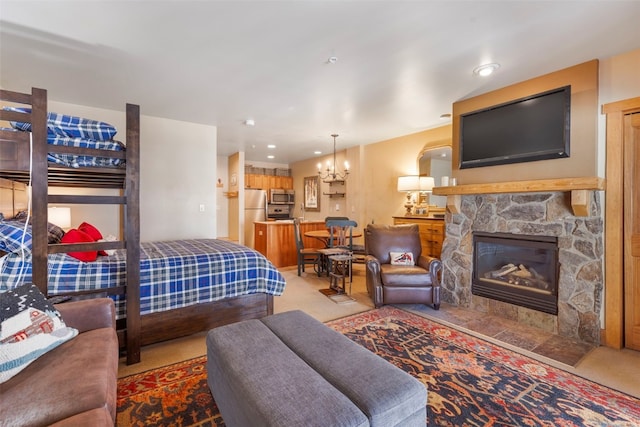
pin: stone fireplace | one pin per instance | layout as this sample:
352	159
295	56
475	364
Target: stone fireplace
548	215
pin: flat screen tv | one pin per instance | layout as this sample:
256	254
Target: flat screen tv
525	130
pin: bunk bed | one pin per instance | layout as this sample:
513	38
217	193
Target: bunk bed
27	157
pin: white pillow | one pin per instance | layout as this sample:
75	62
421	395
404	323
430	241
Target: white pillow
29	327
401	258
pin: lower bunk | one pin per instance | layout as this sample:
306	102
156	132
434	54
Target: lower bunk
186	286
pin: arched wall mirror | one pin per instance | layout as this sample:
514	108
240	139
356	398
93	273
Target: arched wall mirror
435	160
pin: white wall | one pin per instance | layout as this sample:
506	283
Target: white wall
222	202
177	175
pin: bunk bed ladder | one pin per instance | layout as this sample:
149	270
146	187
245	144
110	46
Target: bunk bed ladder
42	177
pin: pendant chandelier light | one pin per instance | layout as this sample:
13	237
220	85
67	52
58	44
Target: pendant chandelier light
331	173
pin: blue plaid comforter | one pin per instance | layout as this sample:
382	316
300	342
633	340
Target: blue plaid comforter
84	161
173	274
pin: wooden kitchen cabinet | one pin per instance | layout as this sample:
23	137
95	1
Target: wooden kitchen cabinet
267	182
431	232
276	241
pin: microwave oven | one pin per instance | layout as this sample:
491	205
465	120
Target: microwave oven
278	196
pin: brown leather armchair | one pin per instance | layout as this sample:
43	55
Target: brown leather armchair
400	284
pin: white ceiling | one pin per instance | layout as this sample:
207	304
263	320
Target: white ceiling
401	64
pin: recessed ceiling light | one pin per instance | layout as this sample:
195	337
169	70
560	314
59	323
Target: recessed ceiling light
270	156
332	60
486	69
445	116
317	152
271	146
250	122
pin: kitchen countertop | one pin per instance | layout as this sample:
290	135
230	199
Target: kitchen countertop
288	221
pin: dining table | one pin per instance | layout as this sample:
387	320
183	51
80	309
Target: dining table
334	262
324	235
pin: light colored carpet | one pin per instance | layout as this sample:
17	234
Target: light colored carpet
300	293
303	293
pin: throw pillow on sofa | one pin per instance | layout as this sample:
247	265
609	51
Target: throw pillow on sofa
30	326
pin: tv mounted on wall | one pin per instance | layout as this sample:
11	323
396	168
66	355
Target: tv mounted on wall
528	129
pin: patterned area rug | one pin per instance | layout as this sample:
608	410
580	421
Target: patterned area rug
471	382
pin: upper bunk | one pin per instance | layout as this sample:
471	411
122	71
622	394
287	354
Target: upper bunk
103	162
26	130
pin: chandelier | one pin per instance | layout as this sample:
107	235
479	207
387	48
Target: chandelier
331	173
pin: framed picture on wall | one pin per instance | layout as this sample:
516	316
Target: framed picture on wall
312	193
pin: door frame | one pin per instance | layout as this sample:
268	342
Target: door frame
613	333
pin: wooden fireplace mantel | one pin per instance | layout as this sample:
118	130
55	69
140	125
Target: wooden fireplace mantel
579	187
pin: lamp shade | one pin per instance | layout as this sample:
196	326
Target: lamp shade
409	183
60	217
426	183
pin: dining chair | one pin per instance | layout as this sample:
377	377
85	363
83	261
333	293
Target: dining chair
306	256
331	218
341	233
340	238
339	225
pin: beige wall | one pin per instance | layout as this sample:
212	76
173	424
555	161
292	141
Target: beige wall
384	161
620	77
372	194
582	162
619	80
309	167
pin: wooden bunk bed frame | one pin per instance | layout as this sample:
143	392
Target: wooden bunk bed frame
137	330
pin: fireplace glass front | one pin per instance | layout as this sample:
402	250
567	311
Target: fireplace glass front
517	269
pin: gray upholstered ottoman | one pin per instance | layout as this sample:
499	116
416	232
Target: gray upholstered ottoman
289	369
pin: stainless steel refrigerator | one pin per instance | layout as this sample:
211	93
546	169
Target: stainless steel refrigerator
255	209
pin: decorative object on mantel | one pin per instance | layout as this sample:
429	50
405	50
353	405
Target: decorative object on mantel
331	173
408	184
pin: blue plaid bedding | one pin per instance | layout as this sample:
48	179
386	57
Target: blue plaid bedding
69	126
173	274
79	139
84	161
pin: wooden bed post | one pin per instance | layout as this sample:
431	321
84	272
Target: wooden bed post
132	233
39	189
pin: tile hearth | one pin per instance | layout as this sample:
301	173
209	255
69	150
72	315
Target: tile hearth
562	349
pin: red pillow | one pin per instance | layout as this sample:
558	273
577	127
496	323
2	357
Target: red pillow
93	232
77	236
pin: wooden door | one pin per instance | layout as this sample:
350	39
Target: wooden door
632	231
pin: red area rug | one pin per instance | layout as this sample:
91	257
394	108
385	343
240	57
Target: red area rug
471	382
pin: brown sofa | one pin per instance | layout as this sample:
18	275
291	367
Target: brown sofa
400	284
73	384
